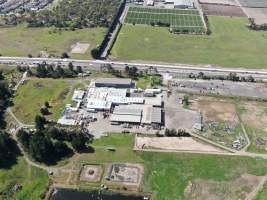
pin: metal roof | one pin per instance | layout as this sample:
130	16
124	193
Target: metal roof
127	110
123	81
125	118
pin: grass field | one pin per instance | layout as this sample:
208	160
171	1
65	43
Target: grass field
31	97
34	181
181	20
263	193
168	174
21	41
231	44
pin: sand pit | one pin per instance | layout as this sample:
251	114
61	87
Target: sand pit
126	173
174	144
215	110
79	48
91	173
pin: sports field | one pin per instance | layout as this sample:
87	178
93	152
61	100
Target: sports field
181	20
231	44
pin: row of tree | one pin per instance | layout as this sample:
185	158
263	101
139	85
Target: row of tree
176	133
45	70
5	95
71	14
231	77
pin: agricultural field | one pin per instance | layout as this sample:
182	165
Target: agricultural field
34	181
22	41
188	172
181	20
31	96
248	48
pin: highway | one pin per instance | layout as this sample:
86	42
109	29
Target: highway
162	68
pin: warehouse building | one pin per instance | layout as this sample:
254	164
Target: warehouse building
137	114
114	82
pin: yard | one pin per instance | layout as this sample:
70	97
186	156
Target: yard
163	171
32	95
22	41
34	181
231	44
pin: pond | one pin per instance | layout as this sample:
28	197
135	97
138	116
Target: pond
67	194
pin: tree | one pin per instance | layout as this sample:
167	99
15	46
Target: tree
40	122
79	69
70	65
78	142
41	148
61	149
186	100
44	111
47	104
6	150
41	71
65	55
24	138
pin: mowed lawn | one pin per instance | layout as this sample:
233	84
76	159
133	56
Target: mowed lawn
31	96
34	181
231	44
168	174
21	41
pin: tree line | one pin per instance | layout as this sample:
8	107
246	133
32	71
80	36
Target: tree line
48	143
8	148
71	14
45	70
232	76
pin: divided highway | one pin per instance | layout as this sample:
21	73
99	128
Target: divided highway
172	68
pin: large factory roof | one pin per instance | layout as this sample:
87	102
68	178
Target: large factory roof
124	81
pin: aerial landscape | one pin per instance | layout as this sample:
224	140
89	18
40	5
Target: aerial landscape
133	99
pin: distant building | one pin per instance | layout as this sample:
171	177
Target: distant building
114	82
182	4
150	2
78	95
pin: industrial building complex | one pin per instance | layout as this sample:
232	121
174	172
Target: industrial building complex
118	100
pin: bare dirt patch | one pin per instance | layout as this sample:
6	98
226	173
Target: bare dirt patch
259	14
223	10
214	190
174	143
255	114
79	48
215	110
91	173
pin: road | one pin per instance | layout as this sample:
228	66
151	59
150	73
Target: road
172	68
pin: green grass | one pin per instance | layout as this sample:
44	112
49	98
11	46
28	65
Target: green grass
263	193
34	181
148	81
231	44
168	174
21	41
31	97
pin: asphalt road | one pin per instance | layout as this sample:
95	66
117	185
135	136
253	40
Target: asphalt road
171	68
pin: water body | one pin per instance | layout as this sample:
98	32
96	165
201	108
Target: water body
66	194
